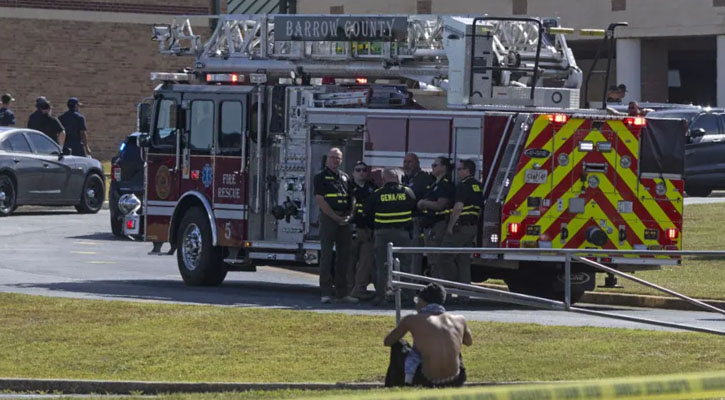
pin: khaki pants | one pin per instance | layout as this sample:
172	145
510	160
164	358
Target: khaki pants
457	267
340	236
399	237
434	238
362	262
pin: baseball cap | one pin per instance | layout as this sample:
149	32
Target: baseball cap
73	101
622	87
7	98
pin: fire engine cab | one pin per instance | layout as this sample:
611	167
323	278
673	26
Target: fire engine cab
234	141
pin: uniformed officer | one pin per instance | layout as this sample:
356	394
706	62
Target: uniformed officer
463	225
392	208
75	129
50	125
334	197
362	261
418	181
436	208
7	117
36	116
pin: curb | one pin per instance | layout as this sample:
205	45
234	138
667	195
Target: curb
147	387
635	300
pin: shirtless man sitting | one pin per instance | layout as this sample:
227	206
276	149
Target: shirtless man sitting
438	337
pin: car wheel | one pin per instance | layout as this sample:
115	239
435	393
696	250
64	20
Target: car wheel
92	195
116	225
200	263
8	196
698	192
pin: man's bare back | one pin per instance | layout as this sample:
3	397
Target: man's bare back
438	338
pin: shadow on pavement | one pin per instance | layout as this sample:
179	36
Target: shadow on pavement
103	236
230	293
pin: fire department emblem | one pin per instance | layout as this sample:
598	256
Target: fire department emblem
163	184
207	175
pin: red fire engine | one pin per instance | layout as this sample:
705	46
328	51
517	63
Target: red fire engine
234	141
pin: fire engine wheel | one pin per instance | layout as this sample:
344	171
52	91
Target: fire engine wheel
200	263
539	288
92	196
7	196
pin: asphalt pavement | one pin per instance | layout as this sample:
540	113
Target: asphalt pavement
64	254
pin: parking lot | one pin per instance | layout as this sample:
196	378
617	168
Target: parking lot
57	252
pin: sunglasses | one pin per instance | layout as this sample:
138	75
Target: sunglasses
360	169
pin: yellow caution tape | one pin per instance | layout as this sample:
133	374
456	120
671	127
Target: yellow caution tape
661	387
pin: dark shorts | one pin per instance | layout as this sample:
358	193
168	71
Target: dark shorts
396	370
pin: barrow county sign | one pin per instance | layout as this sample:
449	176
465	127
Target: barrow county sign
324	28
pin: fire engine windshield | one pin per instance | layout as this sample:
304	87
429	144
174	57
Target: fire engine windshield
663	146
165	132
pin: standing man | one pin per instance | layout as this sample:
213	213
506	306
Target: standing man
436	207
50	125
463	225
34	119
417	180
75	129
392	208
333	195
362	263
7	118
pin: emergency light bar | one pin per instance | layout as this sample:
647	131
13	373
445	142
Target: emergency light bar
171	77
224	78
636	121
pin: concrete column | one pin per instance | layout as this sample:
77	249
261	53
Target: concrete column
720	71
629	67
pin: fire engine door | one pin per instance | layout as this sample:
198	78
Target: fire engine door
197	146
163	165
231	207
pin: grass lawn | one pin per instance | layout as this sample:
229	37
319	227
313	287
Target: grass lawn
697	277
83	339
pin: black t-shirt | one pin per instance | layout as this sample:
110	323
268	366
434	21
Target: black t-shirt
361	193
419	182
50	126
73	122
34	120
392	206
335	188
440	189
469	192
7	117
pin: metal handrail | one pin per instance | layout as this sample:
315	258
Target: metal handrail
569	255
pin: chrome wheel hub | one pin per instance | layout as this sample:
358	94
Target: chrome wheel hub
191	247
2	197
91	193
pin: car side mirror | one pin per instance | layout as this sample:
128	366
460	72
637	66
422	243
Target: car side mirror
696	132
67	151
144	141
143	118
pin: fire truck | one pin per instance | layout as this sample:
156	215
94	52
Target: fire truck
233	141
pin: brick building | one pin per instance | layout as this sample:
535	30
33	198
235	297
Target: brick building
99	51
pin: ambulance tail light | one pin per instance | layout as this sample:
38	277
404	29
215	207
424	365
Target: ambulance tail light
672	233
558	118
635	121
514	228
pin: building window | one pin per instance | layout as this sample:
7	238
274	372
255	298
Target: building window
520	7
424	7
619	5
337	10
718	3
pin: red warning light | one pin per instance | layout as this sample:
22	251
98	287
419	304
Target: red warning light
558	118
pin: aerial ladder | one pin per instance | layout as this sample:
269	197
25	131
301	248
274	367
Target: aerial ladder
478	60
